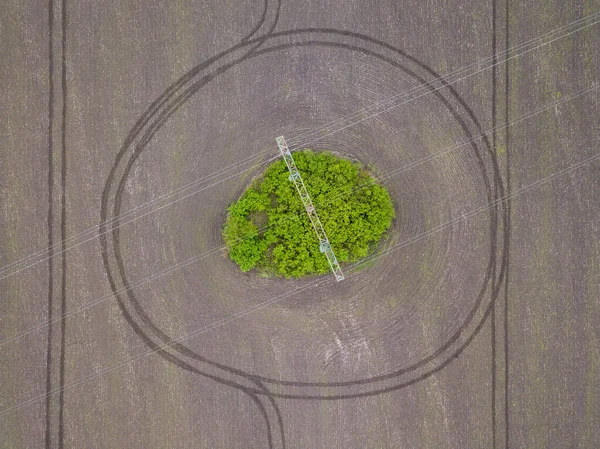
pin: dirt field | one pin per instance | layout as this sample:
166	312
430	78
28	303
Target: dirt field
129	126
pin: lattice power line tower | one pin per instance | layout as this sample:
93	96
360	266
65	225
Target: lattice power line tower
324	244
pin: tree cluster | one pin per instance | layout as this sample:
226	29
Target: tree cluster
268	228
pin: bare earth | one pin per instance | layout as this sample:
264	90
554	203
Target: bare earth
129	126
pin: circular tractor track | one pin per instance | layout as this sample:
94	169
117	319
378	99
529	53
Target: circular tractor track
465	313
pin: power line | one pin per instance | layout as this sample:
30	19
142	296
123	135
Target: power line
276	299
215	250
581	23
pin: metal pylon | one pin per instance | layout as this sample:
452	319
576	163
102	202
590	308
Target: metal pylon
324	244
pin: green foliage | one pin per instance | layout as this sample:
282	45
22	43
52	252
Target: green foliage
268	228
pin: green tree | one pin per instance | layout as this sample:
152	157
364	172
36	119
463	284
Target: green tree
355	211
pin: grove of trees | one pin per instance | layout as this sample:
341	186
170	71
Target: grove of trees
267	229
